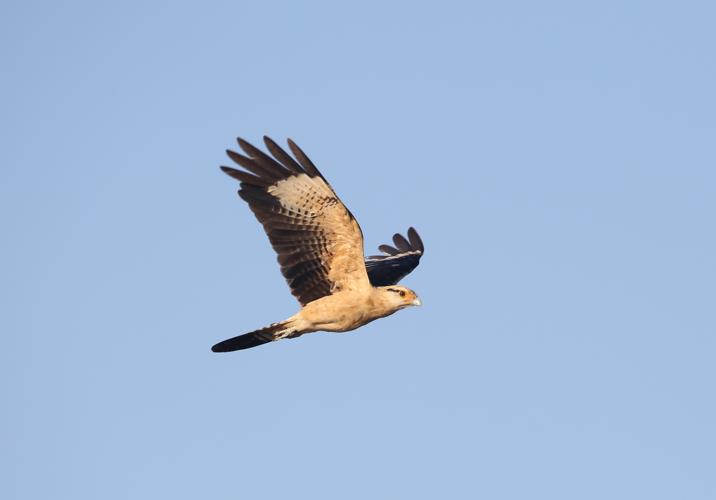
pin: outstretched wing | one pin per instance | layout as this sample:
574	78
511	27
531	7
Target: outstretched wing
318	242
397	262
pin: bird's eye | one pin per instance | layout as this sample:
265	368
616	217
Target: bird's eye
402	293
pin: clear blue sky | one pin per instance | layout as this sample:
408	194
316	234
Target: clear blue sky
558	158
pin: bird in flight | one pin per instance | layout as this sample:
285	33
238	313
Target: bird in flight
320	248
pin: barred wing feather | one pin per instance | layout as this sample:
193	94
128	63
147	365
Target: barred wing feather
318	242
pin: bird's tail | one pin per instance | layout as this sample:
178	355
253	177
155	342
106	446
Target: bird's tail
275	331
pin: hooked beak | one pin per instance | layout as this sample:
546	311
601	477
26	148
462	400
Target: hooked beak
416	302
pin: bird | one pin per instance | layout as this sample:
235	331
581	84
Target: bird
319	247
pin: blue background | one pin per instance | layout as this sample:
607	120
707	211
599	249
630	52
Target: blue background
558	159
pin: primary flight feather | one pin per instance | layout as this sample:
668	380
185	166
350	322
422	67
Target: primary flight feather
320	248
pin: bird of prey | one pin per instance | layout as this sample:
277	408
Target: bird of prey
320	248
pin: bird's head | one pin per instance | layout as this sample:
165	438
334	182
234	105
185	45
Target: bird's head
399	296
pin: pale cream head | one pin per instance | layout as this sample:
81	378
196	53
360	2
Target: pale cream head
399	296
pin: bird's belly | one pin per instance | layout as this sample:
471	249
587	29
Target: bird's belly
342	322
336	314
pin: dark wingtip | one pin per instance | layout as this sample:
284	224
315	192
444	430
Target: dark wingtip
303	159
388	249
245	145
269	142
415	241
244	177
237	158
401	243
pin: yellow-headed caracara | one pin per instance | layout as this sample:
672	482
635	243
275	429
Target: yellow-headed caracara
320	248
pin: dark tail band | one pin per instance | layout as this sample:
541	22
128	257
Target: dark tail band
252	339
